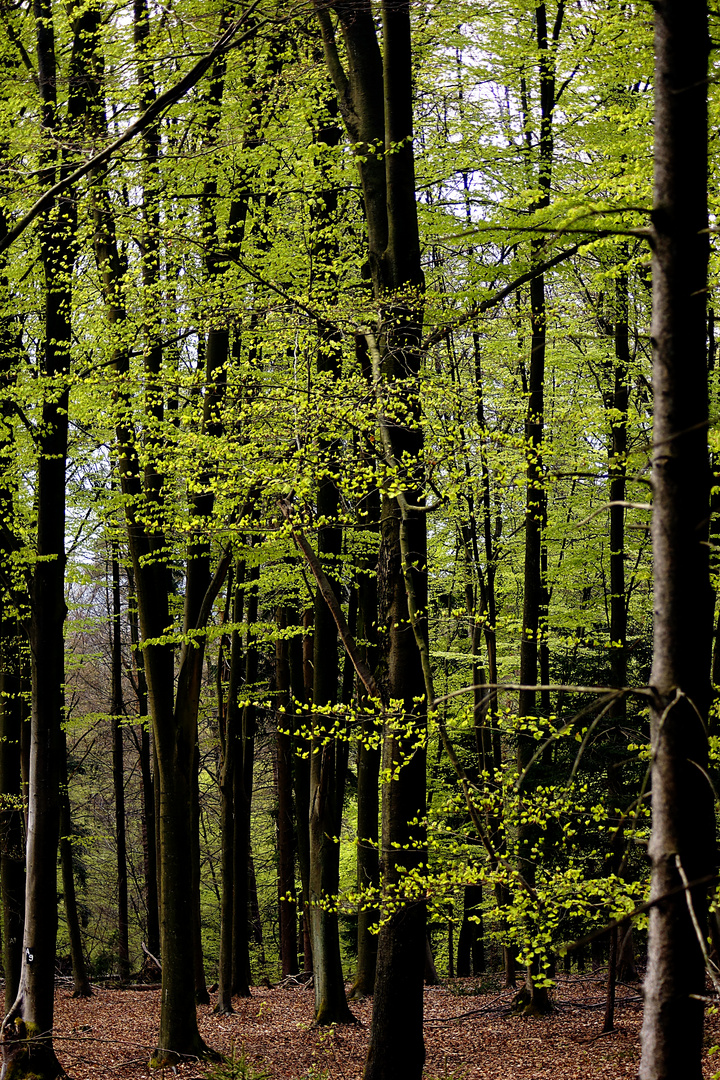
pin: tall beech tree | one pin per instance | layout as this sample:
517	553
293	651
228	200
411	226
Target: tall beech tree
535	583
25	1052
375	96
682	843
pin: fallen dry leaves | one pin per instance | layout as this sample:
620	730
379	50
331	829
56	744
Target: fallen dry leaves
467	1037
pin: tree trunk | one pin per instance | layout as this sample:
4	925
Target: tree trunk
81	983
13	675
328	761
116	713
33	1009
535	998
682	843
243	788
301	651
375	99
287	904
142	742
471	959
368	772
229	742
14	666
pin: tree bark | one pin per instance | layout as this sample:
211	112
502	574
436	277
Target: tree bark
534	998
149	817
375	99
81	982
301	652
682	843
13	678
24	1053
116	713
287	904
242	794
14	664
229	743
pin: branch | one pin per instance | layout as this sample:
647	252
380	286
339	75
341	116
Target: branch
484	305
161	103
328	595
640	910
214	588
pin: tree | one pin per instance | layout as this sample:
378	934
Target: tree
682	840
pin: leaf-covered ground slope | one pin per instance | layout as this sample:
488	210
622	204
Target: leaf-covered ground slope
469	1035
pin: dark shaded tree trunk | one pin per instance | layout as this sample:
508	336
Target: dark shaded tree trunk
471	958
301	651
14	665
141	737
242	795
533	998
229	743
617	467
81	982
13	675
368	764
328	762
287	903
116	713
33	1009
682	843
375	97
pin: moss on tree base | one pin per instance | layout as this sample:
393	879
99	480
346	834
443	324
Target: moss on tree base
28	1056
525	1003
325	1015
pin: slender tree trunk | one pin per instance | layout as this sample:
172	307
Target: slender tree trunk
12	841
81	982
149	817
682	843
33	1009
116	713
286	847
618	601
368	769
534	998
14	663
243	789
328	763
229	736
301	683
471	959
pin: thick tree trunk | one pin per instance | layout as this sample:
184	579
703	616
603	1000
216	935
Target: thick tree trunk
376	104
682	843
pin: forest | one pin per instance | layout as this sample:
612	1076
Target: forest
359	520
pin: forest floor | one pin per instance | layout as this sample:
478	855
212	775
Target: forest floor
469	1035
